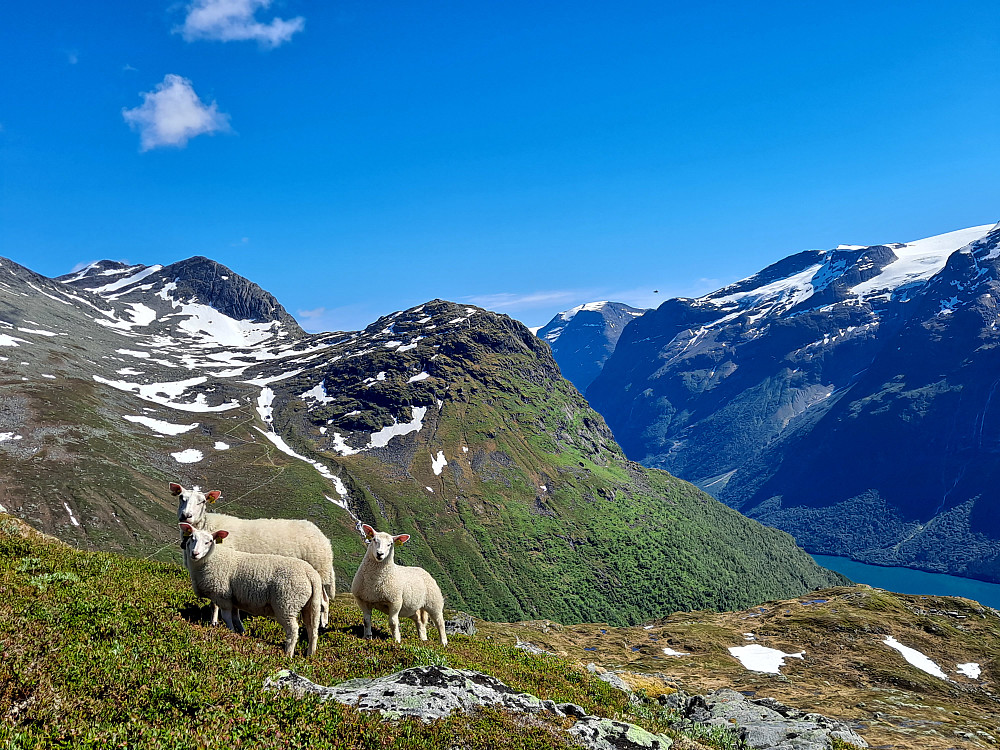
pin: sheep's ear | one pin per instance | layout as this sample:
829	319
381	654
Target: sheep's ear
213	495
219	535
369	531
175	489
401	539
187	528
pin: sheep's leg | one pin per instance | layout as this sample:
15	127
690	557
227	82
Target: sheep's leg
420	620
397	634
237	622
291	626
312	614
227	617
328	594
324	610
215	615
367	612
439	624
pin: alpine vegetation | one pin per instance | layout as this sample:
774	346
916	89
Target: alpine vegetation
267	585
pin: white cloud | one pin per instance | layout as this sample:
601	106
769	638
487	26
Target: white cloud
173	114
511	301
233	20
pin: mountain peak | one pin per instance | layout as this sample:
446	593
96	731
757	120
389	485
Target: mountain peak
583	337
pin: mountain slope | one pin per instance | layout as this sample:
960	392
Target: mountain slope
845	396
583	338
447	422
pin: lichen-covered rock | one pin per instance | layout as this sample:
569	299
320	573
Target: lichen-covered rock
764	724
434	692
461	623
605	734
425	693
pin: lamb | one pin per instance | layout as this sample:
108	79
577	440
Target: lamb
269	585
268	536
396	590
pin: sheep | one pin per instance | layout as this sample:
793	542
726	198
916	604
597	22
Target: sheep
270	585
396	590
268	536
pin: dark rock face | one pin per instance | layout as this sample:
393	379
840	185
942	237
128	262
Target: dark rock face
846	397
583	338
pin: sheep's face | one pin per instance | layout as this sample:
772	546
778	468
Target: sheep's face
192	504
197	544
380	544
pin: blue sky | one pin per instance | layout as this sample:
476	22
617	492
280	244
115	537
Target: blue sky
356	158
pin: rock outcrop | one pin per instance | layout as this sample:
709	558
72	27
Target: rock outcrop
435	692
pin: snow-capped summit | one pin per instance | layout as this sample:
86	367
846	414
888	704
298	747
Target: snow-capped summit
845	396
583	337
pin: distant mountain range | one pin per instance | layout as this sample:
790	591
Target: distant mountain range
846	396
444	421
583	338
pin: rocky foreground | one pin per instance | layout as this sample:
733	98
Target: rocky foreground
435	692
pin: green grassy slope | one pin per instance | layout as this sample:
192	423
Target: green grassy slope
105	651
542	515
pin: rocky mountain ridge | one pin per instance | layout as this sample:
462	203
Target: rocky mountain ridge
844	396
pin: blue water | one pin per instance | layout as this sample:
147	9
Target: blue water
909	581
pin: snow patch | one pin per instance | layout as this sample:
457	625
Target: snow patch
72	518
438	463
5	436
188	456
264	401
152	392
37	331
418	378
919	260
282	446
381	438
114	286
970	669
318	393
759	658
158	425
220	446
916	658
6	340
671	652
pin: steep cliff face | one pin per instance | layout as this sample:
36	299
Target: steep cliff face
583	338
844	396
447	422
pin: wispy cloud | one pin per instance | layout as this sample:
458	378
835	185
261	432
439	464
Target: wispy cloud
523	301
323	319
235	20
72	57
128	67
173	114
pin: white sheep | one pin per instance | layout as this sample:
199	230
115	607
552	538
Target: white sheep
269	585
396	590
262	536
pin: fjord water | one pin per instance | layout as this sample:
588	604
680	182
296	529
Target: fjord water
909	581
